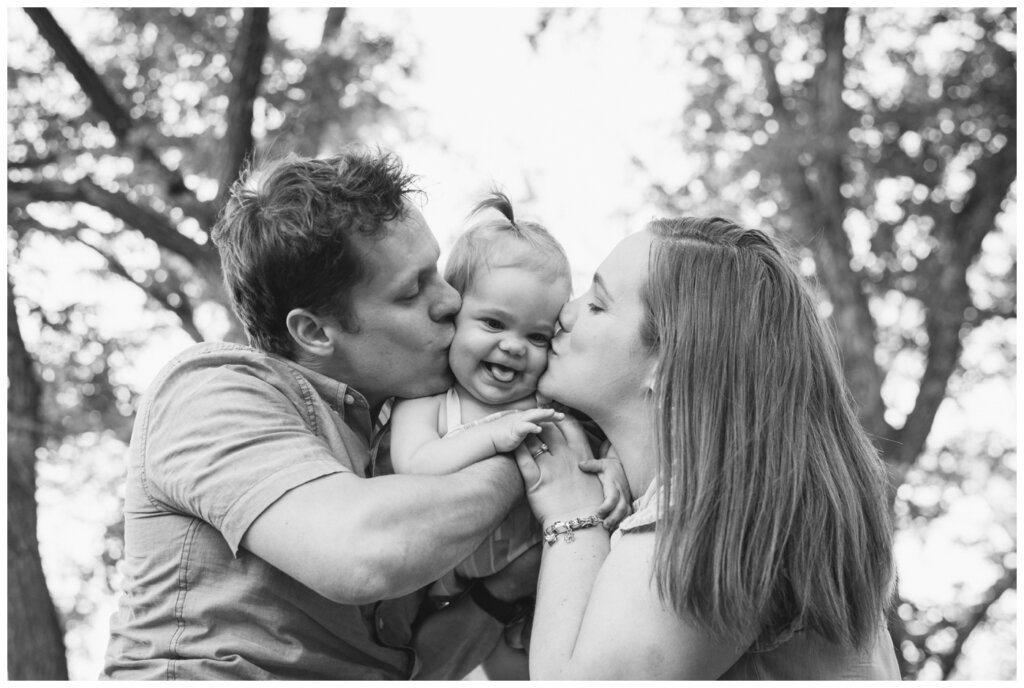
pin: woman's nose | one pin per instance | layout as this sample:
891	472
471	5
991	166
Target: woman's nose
567	318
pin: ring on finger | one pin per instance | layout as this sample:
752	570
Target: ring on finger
540	450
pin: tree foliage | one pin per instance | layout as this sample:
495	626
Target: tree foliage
885	151
880	145
126	129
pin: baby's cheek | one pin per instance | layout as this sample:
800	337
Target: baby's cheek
539	362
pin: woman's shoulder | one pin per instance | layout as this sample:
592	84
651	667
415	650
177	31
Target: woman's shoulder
644	516
808	656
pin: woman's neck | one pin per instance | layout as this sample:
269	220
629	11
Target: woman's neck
631	435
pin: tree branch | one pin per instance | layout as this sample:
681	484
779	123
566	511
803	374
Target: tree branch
246	76
120	121
332	25
820	210
849	301
148	222
975	615
946	302
183	309
775	98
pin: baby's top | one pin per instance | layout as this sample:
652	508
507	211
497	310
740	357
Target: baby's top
453	414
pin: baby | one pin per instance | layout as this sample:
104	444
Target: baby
514	279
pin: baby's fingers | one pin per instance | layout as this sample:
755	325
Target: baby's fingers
590	465
541	415
619	512
608	505
523	428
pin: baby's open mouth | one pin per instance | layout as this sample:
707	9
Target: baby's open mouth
499	372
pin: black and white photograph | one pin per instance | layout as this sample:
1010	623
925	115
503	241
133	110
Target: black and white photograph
489	342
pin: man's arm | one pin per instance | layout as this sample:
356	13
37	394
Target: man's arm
356	540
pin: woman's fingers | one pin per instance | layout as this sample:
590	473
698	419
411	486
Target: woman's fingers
573	432
527	467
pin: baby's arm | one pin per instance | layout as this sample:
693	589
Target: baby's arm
416	447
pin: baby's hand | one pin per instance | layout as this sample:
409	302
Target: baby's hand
618	502
509	431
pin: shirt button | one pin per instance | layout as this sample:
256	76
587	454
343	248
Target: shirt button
349	400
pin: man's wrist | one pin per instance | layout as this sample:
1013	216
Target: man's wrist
505	612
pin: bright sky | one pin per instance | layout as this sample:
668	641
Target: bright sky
559	126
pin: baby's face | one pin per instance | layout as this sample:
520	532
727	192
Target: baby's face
503	331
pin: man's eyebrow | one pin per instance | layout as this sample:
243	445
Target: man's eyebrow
601	285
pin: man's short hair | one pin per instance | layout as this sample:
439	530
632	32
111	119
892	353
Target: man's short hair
288	237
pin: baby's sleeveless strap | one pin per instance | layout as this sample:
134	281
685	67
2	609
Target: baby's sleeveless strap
453	409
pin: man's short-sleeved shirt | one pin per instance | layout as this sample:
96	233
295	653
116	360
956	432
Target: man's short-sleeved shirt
224	432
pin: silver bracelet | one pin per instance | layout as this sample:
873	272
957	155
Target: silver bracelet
565	528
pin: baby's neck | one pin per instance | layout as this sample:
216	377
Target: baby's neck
474	409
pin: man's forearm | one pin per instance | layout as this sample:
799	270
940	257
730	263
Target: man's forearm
358	540
425	525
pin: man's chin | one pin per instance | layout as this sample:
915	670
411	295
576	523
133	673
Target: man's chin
428	388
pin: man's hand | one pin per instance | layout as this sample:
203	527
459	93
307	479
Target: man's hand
518	579
509	431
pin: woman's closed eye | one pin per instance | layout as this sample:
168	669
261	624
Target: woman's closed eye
594	308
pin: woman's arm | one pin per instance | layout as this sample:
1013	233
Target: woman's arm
599	616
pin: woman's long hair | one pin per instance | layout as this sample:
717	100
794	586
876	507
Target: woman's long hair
776	512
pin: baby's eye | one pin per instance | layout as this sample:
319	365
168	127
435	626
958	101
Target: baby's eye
539	339
493	324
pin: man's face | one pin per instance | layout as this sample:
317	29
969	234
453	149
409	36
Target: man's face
404	312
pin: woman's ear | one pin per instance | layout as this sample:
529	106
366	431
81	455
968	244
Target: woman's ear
309	332
651	378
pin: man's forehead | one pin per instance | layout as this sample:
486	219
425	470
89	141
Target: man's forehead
405	248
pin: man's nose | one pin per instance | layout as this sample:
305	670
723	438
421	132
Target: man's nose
447	303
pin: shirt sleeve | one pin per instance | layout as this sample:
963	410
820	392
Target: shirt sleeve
224	443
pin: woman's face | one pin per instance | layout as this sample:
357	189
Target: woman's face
597	363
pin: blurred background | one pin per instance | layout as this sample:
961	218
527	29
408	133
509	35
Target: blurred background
880	144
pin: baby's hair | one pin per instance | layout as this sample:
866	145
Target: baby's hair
502	242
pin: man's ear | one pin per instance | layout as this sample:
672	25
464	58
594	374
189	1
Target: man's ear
309	332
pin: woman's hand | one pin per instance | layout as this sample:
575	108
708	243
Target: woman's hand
555	485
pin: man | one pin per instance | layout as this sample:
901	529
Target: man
262	539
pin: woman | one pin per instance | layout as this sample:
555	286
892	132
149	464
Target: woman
761	544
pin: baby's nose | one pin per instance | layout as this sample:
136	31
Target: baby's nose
512	347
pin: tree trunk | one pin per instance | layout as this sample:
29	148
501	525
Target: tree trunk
35	640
